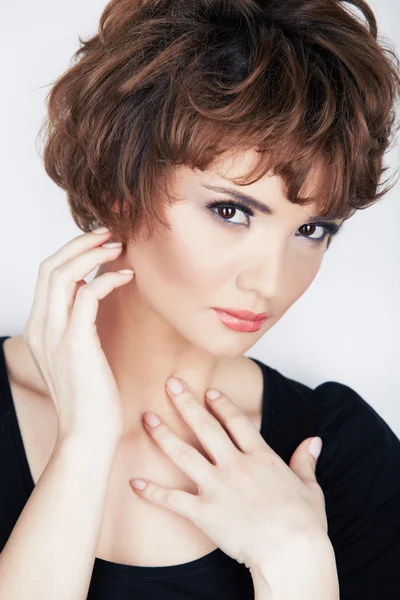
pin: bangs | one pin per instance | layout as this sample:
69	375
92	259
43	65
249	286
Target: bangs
306	85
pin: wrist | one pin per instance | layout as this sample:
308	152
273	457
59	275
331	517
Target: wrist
306	570
88	447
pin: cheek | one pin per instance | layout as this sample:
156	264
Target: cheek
299	278
183	262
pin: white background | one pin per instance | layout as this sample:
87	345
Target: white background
345	328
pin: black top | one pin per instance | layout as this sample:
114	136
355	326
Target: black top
358	470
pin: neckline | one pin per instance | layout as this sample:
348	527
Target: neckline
101	564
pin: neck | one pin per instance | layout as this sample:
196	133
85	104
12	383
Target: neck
143	350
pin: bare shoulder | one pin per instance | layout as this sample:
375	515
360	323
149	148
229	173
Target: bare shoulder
240	378
37	418
21	367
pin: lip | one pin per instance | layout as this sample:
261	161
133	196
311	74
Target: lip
238	324
246	315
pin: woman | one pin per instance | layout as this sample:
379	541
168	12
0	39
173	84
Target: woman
223	145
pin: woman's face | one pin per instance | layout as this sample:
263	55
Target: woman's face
221	257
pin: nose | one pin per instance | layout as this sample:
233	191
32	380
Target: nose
265	274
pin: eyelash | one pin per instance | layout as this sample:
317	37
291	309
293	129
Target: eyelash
331	229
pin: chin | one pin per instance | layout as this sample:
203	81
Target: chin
216	339
229	344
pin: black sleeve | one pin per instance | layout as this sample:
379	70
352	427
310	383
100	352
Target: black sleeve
359	472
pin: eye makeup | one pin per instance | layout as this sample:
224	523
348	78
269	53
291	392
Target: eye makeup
330	228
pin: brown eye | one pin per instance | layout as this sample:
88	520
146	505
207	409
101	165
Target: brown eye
309	225
226	212
310	228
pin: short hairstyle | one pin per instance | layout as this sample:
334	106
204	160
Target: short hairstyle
165	83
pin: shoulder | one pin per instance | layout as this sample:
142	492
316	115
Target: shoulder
341	401
360	456
34	409
21	367
361	453
358	440
15	359
359	473
355	437
330	409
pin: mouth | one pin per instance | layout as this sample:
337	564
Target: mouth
246	315
232	321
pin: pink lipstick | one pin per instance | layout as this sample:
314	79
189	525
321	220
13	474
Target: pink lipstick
242	320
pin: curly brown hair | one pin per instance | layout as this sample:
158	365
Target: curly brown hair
163	83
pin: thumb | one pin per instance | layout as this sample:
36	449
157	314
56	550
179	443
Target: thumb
304	458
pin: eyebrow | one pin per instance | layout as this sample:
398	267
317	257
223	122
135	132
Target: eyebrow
250	201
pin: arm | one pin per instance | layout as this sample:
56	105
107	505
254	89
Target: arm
50	552
306	572
262	591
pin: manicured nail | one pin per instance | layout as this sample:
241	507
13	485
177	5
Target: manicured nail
126	271
212	394
315	447
174	385
151	419
112	245
139	484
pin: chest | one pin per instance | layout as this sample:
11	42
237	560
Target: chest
133	531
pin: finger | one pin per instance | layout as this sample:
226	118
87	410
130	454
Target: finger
188	459
242	429
79	244
182	503
35	325
63	286
84	312
207	428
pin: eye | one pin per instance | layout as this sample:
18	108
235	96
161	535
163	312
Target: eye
225	211
329	229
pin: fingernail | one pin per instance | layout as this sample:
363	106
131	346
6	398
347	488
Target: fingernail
315	447
174	385
139	484
151	419
212	394
126	271
101	230
112	245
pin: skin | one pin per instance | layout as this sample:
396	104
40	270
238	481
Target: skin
161	324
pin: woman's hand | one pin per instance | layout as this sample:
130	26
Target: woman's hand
250	503
62	337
